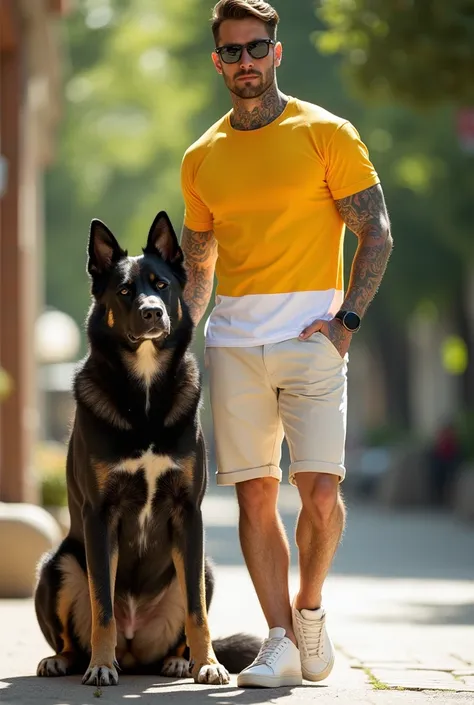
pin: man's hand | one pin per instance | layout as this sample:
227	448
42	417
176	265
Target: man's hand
339	336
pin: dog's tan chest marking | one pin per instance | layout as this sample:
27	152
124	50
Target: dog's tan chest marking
153	466
145	364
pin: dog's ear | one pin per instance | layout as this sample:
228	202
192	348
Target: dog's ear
162	240
104	250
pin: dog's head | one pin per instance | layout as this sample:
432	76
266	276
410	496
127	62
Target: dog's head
139	298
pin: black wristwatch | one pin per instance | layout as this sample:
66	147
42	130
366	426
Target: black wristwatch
349	319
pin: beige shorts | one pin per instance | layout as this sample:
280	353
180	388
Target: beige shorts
259	394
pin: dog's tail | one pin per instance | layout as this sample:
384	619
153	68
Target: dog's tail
237	651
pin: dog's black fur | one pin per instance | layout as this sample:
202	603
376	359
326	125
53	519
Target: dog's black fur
129	586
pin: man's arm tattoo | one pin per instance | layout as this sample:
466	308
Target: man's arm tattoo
200	253
366	215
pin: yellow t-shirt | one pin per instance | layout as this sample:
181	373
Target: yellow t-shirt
268	195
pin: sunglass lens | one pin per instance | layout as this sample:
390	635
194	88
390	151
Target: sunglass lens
258	50
230	55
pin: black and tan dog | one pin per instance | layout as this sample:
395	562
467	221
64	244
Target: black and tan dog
129	586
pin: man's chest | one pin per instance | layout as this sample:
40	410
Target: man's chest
248	172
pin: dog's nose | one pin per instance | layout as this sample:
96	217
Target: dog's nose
152	314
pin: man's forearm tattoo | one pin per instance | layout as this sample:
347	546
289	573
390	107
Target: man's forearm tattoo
366	215
200	252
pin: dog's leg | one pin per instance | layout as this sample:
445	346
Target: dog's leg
102	559
54	597
188	558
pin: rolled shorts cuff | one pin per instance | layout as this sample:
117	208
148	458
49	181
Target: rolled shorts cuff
232	478
316	466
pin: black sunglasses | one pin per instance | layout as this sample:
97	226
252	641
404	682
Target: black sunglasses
231	53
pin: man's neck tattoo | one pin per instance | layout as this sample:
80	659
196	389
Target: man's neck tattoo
271	106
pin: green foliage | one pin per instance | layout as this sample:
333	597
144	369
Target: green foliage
129	111
388	435
416	52
53	491
50	463
394	61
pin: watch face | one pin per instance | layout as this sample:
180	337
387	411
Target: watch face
351	320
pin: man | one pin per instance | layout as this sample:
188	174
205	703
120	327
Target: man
268	191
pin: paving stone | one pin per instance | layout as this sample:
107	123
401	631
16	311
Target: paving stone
442	664
468	680
419	679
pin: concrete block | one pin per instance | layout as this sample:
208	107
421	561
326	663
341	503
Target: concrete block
26	532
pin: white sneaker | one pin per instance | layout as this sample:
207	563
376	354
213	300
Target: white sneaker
317	651
278	663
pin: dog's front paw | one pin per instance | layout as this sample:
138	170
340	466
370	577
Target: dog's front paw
53	666
176	667
100	675
211	673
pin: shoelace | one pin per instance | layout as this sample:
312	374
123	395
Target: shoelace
311	632
269	651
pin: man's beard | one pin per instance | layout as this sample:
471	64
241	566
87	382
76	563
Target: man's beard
254	89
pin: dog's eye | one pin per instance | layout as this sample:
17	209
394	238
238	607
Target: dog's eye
124	291
161	285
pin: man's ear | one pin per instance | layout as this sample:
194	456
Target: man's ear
278	53
162	240
103	249
217	62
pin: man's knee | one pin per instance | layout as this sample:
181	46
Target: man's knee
320	495
257	498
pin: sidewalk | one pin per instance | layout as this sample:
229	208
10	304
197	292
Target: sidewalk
400	600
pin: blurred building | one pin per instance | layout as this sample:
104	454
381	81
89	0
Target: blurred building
30	91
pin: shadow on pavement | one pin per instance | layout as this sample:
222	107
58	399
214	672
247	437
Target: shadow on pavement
144	689
378	542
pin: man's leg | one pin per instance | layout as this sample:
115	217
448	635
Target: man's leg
318	532
312	378
248	435
265	548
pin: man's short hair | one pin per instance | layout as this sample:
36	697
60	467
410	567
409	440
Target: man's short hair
240	9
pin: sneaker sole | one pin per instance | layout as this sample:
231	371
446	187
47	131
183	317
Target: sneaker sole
315	677
256	681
